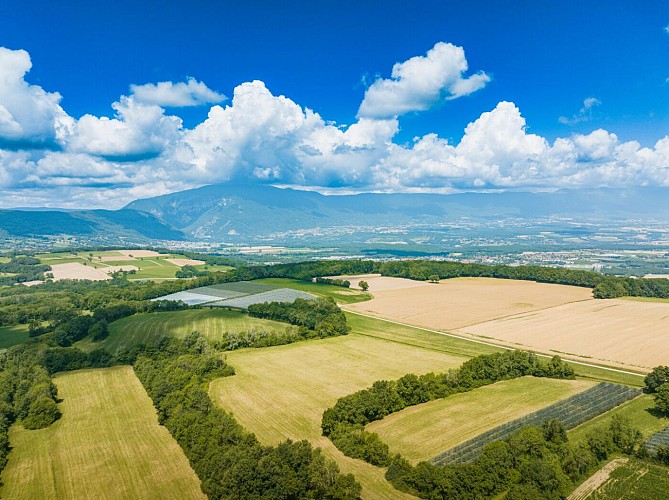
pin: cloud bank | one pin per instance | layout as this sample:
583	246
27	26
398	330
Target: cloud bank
48	158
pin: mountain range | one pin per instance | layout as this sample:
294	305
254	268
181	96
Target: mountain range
241	212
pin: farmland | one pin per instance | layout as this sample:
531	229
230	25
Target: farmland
551	319
211	323
617	332
147	264
634	479
573	411
639	410
239	295
456	303
307	378
460	417
339	294
108	444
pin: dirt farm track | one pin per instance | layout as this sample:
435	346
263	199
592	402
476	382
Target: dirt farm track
552	319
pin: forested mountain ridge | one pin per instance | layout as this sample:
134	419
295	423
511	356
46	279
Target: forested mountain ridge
220	211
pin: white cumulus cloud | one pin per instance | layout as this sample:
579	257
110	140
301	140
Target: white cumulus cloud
169	94
50	159
416	84
28	114
137	130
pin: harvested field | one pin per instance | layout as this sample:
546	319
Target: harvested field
281	392
77	271
378	283
460	302
617	332
186	262
423	431
108	444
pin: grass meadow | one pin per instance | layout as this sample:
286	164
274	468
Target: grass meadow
149	327
12	335
107	444
423	431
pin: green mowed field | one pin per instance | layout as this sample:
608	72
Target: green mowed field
340	294
635	479
281	392
13	335
639	411
423	431
107	444
211	323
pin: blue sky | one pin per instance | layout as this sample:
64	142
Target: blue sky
582	86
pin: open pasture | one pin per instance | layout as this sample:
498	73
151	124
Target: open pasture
107	444
616	332
281	392
423	431
13	335
459	302
149	327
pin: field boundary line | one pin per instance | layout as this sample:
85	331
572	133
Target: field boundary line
446	334
520	314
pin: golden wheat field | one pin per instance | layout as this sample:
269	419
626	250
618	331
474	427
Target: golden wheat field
460	302
616	332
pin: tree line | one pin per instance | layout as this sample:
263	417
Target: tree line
22	269
318	318
344	423
536	463
229	461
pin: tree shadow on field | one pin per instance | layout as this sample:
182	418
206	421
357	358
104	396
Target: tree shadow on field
657	413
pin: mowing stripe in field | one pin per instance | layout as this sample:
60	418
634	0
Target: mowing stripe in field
107	444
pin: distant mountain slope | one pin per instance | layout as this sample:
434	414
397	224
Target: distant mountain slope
220	211
91	223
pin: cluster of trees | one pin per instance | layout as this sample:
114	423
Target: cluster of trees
27	394
230	462
657	383
334	282
344	422
317	318
190	272
535	463
22	269
260	338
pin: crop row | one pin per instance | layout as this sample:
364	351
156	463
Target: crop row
571	412
278	295
658	439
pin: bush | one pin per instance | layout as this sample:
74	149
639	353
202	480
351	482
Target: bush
43	412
